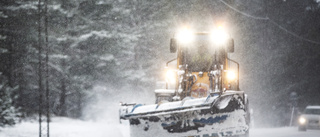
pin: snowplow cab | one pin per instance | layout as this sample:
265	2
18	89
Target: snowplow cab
199	56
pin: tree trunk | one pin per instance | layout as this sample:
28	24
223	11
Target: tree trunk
62	101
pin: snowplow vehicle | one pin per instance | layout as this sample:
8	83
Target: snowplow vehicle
202	96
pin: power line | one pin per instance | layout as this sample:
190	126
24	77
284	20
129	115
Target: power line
293	34
271	21
245	14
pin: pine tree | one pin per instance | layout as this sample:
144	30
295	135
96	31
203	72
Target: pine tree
8	113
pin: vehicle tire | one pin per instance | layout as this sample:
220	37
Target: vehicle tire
302	128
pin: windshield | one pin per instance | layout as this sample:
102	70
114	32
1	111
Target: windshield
199	54
312	111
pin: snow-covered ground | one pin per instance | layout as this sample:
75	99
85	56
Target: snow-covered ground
65	127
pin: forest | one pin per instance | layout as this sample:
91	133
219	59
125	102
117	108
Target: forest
124	45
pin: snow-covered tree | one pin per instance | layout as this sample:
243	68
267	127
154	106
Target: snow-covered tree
9	115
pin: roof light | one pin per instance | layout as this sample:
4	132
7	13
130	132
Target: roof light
219	35
185	35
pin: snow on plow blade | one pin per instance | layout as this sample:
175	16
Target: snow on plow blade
213	116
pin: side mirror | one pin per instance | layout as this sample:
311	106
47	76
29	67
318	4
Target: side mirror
230	46
173	45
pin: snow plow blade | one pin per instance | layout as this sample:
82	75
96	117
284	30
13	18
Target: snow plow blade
215	116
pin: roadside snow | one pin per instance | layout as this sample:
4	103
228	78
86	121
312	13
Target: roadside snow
66	127
283	132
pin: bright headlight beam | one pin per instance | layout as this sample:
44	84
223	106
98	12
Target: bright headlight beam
231	75
219	36
302	120
185	36
170	76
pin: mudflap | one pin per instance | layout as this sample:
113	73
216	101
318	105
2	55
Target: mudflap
230	120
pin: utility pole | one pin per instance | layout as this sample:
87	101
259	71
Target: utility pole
47	67
266	36
43	102
40	67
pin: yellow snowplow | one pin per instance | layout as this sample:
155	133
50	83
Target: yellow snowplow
202	96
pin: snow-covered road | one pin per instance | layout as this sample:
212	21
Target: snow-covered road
283	132
64	127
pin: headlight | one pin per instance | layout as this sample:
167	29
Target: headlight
219	36
185	35
170	76
302	120
231	75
